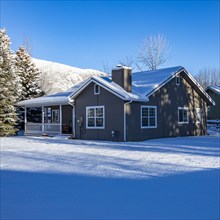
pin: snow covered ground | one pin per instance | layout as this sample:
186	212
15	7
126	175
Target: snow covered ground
57	178
213	127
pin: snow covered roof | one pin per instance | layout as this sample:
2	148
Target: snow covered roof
148	81
143	85
114	88
54	99
215	89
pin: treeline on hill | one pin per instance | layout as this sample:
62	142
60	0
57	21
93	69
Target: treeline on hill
18	81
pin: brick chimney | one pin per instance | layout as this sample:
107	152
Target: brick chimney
121	75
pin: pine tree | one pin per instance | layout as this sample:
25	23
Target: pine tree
8	87
29	75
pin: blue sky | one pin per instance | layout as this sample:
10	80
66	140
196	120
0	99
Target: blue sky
87	34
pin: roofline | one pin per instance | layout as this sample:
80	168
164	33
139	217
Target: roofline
163	83
210	87
191	78
92	79
200	87
37	104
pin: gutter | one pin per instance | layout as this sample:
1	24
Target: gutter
71	102
125	121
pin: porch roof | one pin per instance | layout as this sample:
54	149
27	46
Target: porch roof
61	98
55	99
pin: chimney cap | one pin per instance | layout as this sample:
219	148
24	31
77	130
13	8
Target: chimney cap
119	66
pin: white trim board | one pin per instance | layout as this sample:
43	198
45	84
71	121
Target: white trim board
148	106
94	107
183	122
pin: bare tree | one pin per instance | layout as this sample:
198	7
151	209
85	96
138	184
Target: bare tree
208	77
153	52
27	45
127	61
106	67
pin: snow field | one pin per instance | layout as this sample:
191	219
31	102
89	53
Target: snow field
56	178
153	158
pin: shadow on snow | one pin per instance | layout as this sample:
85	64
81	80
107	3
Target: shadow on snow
29	196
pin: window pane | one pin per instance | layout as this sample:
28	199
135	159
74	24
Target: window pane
145	122
55	116
180	115
144	112
152	111
99	122
185	113
91	112
99	112
152	122
96	89
177	80
91	122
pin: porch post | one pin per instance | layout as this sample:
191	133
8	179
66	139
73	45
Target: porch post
60	119
25	118
42	118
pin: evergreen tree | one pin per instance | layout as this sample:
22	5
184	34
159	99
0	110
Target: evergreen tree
8	87
29	75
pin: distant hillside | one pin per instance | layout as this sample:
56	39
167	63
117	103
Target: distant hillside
57	77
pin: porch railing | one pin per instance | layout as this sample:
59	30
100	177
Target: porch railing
31	127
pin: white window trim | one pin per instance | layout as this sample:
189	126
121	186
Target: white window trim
183	122
148	106
94	107
177	83
96	93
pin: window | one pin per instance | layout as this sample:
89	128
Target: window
198	115
55	116
148	116
183	115
178	80
96	89
95	117
47	115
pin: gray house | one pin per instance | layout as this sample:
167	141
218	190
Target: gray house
214	111
125	107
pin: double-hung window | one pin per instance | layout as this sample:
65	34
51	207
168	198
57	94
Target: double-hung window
95	117
183	115
148	116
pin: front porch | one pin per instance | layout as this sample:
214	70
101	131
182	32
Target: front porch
49	120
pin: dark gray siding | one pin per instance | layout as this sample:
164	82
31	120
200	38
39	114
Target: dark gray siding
214	111
67	119
167	99
114	111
